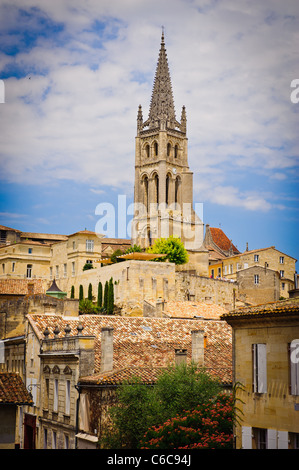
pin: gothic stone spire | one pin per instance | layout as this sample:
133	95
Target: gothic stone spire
162	111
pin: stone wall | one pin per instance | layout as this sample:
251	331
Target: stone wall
266	290
204	289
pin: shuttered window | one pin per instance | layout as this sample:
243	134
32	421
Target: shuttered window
294	367
259	369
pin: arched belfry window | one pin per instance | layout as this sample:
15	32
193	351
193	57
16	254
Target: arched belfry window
156	180
147	151
167	189
177	190
168	149
176	151
145	197
156	149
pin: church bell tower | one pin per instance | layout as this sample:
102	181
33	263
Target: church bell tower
163	191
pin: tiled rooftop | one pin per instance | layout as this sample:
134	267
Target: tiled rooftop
147	343
20	286
13	390
221	239
191	309
289	306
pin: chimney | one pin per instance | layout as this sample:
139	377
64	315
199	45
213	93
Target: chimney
198	347
180	356
246	246
107	349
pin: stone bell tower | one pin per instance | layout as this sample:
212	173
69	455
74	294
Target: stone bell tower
163	192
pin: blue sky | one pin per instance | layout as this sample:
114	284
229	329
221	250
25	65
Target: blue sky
75	72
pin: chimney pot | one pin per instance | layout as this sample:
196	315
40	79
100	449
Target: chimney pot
107	349
198	347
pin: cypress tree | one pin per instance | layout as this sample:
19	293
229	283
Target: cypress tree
106	296
81	295
100	294
73	292
110	306
90	292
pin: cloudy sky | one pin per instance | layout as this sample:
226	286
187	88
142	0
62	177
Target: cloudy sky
75	72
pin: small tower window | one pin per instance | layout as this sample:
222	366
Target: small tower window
156	149
176	151
147	150
168	149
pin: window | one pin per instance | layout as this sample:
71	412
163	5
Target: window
281	273
64	270
256	258
45	438
245	265
66	441
29	250
256	279
176	151
147	151
270	438
13	266
219	272
54	440
89	245
168	149
73	268
261	435
238	266
74	245
55	405
29	271
3	268
212	273
67	397
51	272
259	369
294	367
156	149
47	391
281	259
57	272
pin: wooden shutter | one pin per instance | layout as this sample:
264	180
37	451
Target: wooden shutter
282	440
259	368
246	437
271	439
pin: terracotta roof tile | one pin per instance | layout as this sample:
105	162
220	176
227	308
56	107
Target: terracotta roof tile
13	390
20	286
147	342
288	306
221	239
189	309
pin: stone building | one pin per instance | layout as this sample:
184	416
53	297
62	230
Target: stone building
163	191
265	357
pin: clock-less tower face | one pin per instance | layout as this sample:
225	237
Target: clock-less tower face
163	192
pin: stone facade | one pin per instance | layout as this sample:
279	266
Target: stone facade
269	397
257	285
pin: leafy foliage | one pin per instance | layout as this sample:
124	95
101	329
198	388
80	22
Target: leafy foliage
171	246
81	294
90	292
86	306
140	406
208	426
87	266
134	249
100	294
72	292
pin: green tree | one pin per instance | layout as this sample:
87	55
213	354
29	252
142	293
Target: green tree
87	266
90	292
110	302
81	293
106	296
173	247
177	390
114	256
86	306
134	249
100	295
72	292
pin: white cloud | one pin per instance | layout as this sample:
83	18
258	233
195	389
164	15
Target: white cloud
75	117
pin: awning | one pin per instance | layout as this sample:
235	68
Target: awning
142	256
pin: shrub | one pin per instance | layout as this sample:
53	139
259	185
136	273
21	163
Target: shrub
72	292
81	294
208	426
100	294
171	246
